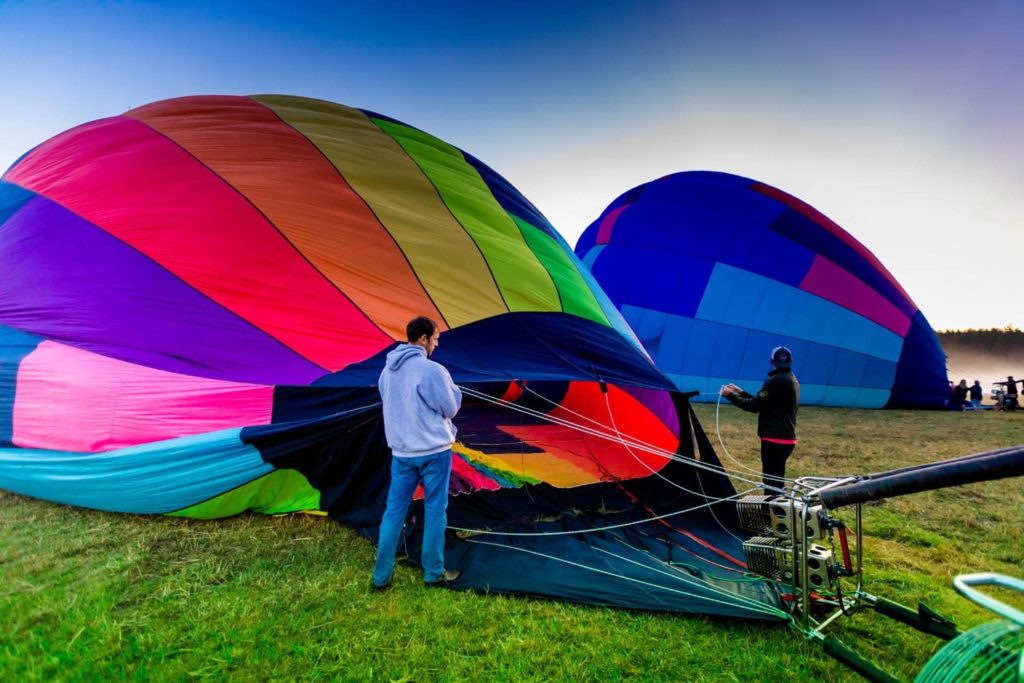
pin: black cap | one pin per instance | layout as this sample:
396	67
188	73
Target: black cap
782	357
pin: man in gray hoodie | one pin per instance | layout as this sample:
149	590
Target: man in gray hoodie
420	401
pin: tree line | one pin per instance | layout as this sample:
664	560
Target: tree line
993	341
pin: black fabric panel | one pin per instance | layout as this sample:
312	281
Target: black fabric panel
297	403
344	456
652	565
545	346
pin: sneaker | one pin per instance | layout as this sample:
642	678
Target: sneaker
447	576
380	589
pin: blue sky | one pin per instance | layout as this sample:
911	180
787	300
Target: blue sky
903	122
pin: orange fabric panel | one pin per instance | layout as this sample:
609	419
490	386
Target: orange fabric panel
445	257
291	183
573	458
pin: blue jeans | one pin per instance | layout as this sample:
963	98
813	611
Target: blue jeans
433	471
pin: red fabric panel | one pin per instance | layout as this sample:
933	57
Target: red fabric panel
291	183
147	191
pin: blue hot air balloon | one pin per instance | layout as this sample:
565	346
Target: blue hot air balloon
713	270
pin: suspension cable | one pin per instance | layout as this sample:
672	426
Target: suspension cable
576	532
718	430
621	439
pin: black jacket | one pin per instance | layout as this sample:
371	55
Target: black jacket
776	404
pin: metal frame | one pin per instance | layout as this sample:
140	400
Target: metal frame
807	493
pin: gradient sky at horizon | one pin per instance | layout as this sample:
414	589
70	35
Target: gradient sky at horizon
903	122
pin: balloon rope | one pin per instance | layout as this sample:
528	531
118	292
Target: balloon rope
575	532
718	431
636	443
702	494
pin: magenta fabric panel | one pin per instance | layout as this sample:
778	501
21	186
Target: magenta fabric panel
83	289
833	228
604	231
141	187
72	400
832	283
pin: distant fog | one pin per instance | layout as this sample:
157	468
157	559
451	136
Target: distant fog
971	365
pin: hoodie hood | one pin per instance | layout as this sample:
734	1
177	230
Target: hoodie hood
402	353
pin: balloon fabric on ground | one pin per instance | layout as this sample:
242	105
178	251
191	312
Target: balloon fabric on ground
198	299
713	270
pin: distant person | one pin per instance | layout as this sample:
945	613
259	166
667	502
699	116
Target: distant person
1009	398
419	401
776	404
959	396
976	394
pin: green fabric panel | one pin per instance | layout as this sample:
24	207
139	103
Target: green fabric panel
522	279
404	201
577	298
275	493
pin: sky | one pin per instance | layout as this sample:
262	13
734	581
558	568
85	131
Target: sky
902	122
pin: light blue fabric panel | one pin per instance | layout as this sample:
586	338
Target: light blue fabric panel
592	255
816	363
850	370
832	396
700	348
730	348
880	374
648	325
756	361
777	300
14	346
676	342
744	299
854	397
872	398
148	479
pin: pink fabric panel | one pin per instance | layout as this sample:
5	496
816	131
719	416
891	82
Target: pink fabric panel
142	188
73	400
604	231
834	228
830	282
477	481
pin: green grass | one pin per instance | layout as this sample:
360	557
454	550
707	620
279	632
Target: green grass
87	595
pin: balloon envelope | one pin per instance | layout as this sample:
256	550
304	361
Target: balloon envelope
197	302
713	271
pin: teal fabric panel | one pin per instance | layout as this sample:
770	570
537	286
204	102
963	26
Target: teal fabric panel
148	479
14	346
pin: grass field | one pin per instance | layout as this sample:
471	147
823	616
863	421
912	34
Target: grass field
86	595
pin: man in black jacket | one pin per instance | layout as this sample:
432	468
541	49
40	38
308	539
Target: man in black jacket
776	405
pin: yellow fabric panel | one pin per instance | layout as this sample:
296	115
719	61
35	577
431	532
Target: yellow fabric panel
547	467
404	201
525	283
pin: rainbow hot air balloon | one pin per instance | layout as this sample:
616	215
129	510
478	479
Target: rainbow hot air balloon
713	270
198	298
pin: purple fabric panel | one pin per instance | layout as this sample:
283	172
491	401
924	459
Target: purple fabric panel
67	280
604	232
659	402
